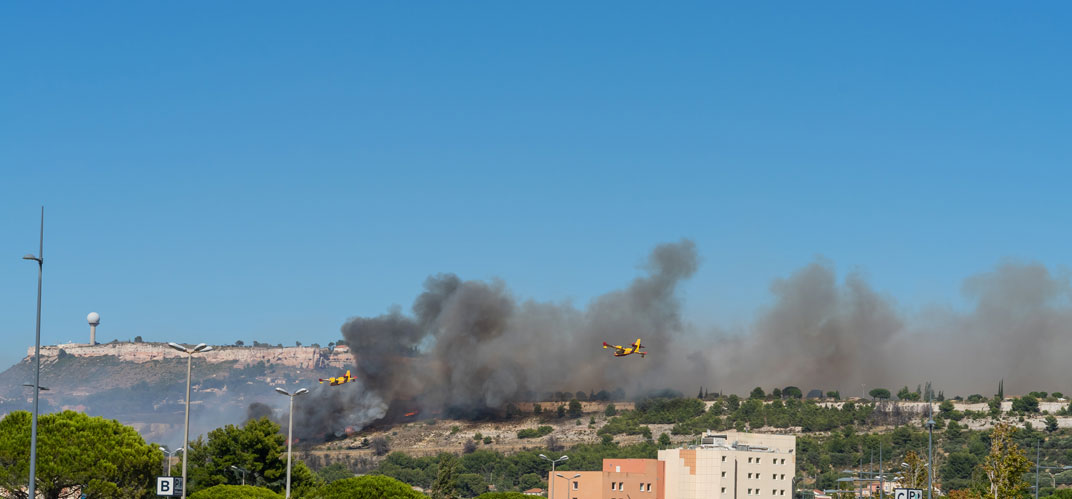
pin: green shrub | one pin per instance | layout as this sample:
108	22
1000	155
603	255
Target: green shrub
535	432
365	487
235	492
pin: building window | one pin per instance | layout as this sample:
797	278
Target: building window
723	474
749	476
749	491
783	476
575	485
773	492
757	460
749	460
723	490
649	487
723	458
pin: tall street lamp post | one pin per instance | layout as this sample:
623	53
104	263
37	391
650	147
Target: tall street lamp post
1038	449
553	463
167	463
40	259
290	429
201	347
930	454
560	475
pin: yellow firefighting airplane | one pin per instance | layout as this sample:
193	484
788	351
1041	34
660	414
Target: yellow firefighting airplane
620	351
340	380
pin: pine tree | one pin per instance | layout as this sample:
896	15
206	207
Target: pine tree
1001	389
700	395
443	488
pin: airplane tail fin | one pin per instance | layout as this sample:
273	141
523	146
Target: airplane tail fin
642	354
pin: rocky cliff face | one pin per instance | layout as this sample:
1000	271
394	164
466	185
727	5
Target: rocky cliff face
299	357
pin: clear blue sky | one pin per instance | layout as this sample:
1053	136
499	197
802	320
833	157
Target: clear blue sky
215	171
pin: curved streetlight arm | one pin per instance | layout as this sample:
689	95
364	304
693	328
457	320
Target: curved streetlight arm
290	428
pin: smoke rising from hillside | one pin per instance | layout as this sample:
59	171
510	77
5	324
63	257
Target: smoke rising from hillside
469	347
823	334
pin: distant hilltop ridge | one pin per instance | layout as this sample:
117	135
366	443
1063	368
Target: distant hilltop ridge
301	357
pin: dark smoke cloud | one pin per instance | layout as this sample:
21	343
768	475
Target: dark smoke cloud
258	410
469	347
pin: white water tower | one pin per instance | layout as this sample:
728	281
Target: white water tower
94	319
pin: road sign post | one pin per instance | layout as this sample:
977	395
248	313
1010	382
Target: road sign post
907	493
168	486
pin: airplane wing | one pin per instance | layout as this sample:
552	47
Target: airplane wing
618	348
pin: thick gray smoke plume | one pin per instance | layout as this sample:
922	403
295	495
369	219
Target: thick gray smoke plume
470	347
820	333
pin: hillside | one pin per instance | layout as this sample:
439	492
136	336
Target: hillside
143	384
677	421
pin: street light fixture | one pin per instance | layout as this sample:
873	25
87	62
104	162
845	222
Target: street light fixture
290	429
201	347
243	471
43	388
560	475
40	259
167	463
553	463
1048	470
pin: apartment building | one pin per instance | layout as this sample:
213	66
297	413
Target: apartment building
619	479
576	485
729	465
633	479
732	465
